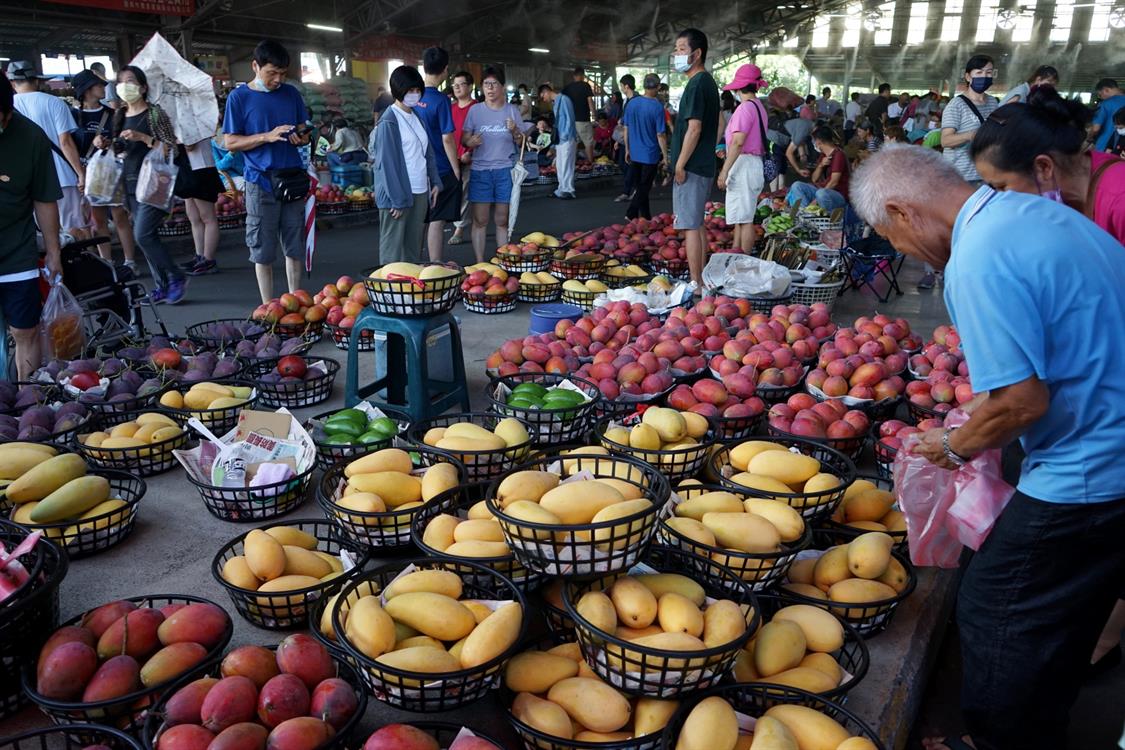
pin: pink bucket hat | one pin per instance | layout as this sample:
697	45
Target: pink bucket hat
746	75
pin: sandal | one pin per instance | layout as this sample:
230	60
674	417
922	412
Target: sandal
455	239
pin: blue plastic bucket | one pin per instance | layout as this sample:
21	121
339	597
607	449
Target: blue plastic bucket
544	317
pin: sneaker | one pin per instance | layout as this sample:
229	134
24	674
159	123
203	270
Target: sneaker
195	261
203	268
559	195
156	296
175	291
621	198
569	196
132	266
926	282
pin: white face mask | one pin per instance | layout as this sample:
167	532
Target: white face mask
1121	131
411	99
681	63
129	92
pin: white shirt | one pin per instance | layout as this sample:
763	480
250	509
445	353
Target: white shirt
851	112
894	110
52	115
199	155
414	145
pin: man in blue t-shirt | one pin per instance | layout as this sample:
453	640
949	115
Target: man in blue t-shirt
436	113
1112	99
646	143
261	121
1034	288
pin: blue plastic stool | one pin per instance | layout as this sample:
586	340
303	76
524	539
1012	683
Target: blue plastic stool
407	382
4	347
544	317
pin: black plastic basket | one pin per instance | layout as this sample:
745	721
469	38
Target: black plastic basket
539	292
328	455
657	673
869	618
414	297
853	656
70	737
529	263
765	304
89	536
676	465
154	719
919	412
115	412
754	699
758	570
549	599
126	712
812	505
245	504
300	394
571	551
548	426
143	461
200	334
851	447
289	609
884	454
506	565
480	466
833	531
620	282
218	421
30	615
65	438
254	367
489	304
616	409
342	337
728	429
332	209
776	394
427	693
310	331
536	739
583	269
673	269
584	299
389	529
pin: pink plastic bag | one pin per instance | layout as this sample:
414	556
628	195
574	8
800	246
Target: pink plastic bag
946	510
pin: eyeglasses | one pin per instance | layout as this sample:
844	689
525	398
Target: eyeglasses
491	84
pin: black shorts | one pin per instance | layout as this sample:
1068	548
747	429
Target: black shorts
204	184
21	302
448	206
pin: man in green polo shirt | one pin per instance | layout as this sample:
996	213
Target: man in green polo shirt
29	187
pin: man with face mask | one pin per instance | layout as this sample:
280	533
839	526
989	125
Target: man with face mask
693	145
1032	285
261	121
966	113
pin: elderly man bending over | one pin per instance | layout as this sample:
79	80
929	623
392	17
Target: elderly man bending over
1033	287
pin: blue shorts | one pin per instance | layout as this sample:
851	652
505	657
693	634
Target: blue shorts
490	186
21	303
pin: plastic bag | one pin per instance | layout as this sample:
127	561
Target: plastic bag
947	510
744	276
103	176
61	322
157	179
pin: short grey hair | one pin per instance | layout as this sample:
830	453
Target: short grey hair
914	174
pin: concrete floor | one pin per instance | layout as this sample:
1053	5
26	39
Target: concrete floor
175	539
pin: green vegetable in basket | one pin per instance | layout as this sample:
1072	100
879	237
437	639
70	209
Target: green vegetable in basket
384	426
352	427
343	428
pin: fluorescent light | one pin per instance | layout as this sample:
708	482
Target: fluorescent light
540	50
321	27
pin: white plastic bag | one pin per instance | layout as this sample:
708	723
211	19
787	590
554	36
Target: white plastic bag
157	178
103	177
744	276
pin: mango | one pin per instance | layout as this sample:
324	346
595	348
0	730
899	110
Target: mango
536	671
433	436
443	582
674	642
663	583
743	670
831	567
200	622
870	505
870	554
435	615
226	402
460	446
597	608
512	432
860	591
577	503
533	512
283	697
171	662
72	499
894	521
822	631
419	640
369	628
895	576
824	663
803	678
479	510
97	620
230	701
771	734
778	646
15	462
184	705
301	733
301	562
668	423
293	537
281	585
66	670
236	572
632	634
65	634
773	488
165	433
821	482
856	743
784	466
741	454
388	459
592	703
45	478
805	589
102	509
256	663
362	502
493	636
788	522
678	614
723	622
438	534
246	735
711	502
264	554
711	725
628	490
304	656
644	437
812	729
652	715
480	610
478	530
438	479
544	715
135	635
185	737
393	487
334	701
636	606
691	529
421	659
743	531
801	571
621	535
478	549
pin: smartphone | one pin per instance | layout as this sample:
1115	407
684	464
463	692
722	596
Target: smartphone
304	128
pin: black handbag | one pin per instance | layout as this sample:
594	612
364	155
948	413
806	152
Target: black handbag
290	184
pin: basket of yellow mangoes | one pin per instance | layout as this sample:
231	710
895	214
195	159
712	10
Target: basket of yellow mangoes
142	444
412	289
678	442
216	406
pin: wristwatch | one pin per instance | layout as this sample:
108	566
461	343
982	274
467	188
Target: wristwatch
956	458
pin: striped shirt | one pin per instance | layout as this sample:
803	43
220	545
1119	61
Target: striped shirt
960	116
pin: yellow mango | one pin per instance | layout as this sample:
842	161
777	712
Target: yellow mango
597	609
435	615
525	485
512	432
723	623
172	400
480	610
444	582
369	628
146	431
870	505
237	572
438	479
710	502
692	529
15	462
812	729
821	482
279	586
480	531
419	641
678	614
895	576
697	424
71	500
856	743
822	631
831	567
870	554
93	440
788	522
635	605
300	561
292	536
201	399
803	678
478	549
668	423
644	437
465	445
771	734
387	459
166	433
544	715
333	561
711	725
362	502
621	535
860	591
592	703
420	659
393	487
532	512
801	571
222	390
579	502
101	509
438	534
826	664
433	436
805	589
493	636
662	583
44	478
741	454
778	646
743	531
264	555
124	430
652	715
790	468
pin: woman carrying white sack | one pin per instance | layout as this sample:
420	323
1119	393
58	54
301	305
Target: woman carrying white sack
742	175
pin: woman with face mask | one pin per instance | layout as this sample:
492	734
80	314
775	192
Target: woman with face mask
829	187
966	113
406	176
1038	148
138	128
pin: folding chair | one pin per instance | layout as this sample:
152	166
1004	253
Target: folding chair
869	259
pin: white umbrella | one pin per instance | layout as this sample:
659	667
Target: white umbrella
519	174
183	91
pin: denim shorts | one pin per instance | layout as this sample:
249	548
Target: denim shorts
490	186
21	302
689	200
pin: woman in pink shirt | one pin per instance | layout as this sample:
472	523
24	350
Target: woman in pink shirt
1039	147
742	175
